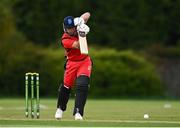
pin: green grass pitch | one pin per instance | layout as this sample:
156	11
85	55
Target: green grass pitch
98	113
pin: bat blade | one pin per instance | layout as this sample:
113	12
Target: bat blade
83	42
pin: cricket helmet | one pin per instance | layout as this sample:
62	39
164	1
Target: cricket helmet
68	22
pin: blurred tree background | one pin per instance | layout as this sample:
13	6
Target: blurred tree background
140	56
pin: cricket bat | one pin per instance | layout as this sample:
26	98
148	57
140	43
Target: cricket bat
83	42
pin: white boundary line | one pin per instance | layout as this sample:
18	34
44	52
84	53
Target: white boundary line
134	121
32	126
35	126
108	121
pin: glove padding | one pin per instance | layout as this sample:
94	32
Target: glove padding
78	21
83	28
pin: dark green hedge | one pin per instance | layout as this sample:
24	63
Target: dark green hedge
18	58
115	73
123	73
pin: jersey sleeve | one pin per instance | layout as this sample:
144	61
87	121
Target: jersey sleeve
67	43
67	40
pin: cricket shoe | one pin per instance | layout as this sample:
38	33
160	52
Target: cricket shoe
58	114
78	116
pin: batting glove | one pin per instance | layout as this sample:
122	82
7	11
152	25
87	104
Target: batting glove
83	28
78	21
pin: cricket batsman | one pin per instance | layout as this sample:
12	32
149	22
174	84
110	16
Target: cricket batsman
77	67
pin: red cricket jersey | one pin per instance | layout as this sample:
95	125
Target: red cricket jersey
71	53
77	64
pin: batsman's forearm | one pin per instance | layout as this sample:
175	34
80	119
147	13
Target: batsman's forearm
75	45
86	16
